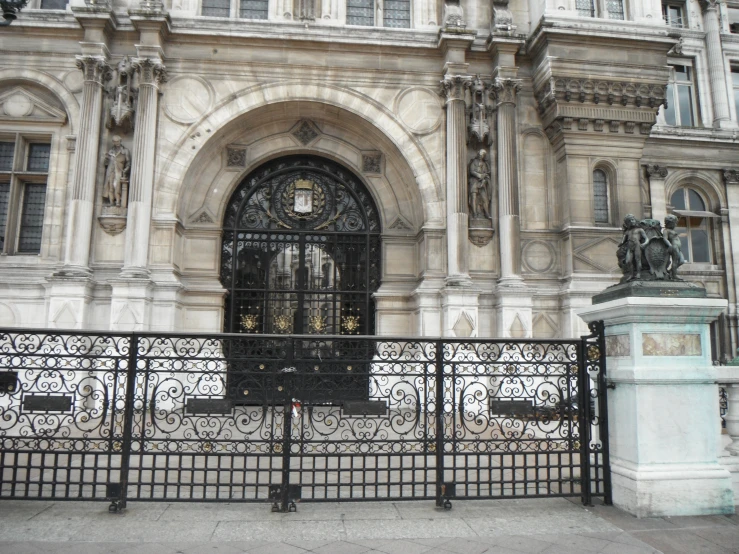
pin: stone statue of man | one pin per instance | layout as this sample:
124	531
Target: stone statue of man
479	186
118	166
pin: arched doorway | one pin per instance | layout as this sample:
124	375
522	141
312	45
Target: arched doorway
301	250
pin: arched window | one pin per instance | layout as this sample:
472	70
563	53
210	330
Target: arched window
693	224
600	196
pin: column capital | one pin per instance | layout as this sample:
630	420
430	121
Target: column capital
453	87
94	69
658	171
731	176
151	71
506	90
707	5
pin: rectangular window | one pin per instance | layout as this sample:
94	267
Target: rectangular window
735	82
216	8
4	201
6	156
38	157
254	9
673	14
734	20
585	8
54	4
397	14
23	168
600	196
360	12
680	109
32	218
615	9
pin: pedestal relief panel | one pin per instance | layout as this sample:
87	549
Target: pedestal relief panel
538	256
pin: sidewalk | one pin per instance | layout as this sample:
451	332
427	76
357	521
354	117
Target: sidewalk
546	526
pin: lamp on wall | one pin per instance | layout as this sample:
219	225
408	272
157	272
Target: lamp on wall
9	8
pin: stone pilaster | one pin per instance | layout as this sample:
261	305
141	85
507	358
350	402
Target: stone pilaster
716	66
508	208
151	74
658	197
731	180
96	72
456	190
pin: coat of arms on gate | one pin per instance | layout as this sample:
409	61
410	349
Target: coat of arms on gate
303	201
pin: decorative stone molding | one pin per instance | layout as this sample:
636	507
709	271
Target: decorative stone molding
478	127
480	231
708	4
654	170
151	71
453	87
506	90
502	23
235	156
400	224
122	111
731	176
453	17
95	69
18	104
564	99
202	217
112	223
305	132
372	162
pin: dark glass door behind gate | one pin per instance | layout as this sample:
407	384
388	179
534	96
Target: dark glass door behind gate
301	255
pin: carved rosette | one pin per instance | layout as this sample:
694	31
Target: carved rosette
656	171
94	68
151	71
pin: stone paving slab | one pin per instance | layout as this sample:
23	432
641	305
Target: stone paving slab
520	526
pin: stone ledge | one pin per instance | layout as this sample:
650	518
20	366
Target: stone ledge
651	289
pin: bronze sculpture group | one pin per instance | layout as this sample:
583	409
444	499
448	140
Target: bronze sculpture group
646	244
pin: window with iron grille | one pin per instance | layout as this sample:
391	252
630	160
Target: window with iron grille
216	8
360	12
586	8
674	14
24	168
397	13
600	196
254	9
615	9
54	4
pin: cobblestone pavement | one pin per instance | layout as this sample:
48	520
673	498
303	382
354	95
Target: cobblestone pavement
546	526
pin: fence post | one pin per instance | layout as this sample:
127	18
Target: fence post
599	329
442	495
119	503
583	420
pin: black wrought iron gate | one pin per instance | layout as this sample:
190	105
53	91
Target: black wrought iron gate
173	417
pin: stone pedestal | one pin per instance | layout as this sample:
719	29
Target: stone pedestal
663	411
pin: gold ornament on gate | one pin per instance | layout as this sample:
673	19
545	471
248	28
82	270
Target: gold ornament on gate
350	324
282	324
249	322
317	324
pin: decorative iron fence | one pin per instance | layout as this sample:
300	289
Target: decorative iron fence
282	418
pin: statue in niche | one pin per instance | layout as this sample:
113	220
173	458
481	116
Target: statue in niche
479	186
117	168
646	244
121	113
674	246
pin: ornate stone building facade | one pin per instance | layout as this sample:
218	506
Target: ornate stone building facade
401	167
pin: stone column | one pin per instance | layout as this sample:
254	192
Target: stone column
658	197
77	248
663	409
141	189
731	180
716	65
508	209
456	180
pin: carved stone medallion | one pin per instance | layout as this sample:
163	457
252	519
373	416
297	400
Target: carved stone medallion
186	99
419	109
